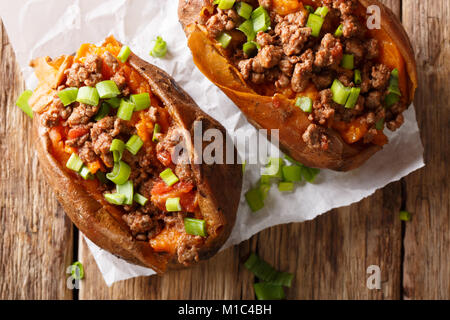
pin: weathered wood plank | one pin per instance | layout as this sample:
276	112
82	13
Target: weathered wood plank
36	241
427	236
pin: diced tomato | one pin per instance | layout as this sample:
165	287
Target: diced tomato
182	189
77	132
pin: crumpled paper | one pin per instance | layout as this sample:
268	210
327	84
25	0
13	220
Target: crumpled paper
54	27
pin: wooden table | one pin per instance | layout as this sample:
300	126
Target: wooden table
329	256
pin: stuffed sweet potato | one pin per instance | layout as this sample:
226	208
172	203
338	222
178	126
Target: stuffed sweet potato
107	124
311	68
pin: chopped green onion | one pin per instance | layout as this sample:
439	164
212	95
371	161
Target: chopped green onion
226	4
309	8
22	103
315	22
88	95
247	28
310	174
195	227
107	89
120	174
292	173
264	189
353	98
391	99
405	216
115	198
261	19
156	130
285	186
85	173
274	168
340	92
304	103
101	176
254	199
173	204
127	190
159	48
68	96
74	163
250	48
380	124
357	79
265	179
348	61
103	112
124	54
322	11
224	39
394	83
267	273
141	101
117	147
169	177
125	111
77	270
244	10
267	291
114	102
139	198
339	31
134	144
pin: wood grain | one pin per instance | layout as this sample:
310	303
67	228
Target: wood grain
427	237
36	236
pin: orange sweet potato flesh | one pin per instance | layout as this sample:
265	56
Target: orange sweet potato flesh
218	185
279	112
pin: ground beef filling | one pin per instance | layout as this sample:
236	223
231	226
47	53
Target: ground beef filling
290	59
92	141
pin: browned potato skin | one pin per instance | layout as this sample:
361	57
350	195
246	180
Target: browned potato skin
219	185
291	122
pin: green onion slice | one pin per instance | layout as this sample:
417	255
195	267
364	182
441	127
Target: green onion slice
358	78
74	163
394	83
107	89
405	215
169	177
120	174
68	96
391	99
134	144
103	112
127	190
250	48
114	102
22	103
380	124
285	186
310	174
244	10
224	39
267	273
348	61
195	227
304	103
352	98
322	11
115	198
125	111
226	4
88	95
85	173
264	188
254	199
315	22
339	31
261	19
340	92
173	204
140	199
117	147
77	270
267	291
292	173
247	28
156	129
124	54
141	101
159	48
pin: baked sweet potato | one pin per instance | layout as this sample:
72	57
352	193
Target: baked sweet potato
131	219
269	55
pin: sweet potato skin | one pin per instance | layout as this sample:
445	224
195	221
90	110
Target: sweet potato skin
219	185
277	112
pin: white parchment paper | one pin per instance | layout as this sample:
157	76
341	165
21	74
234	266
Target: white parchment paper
54	27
